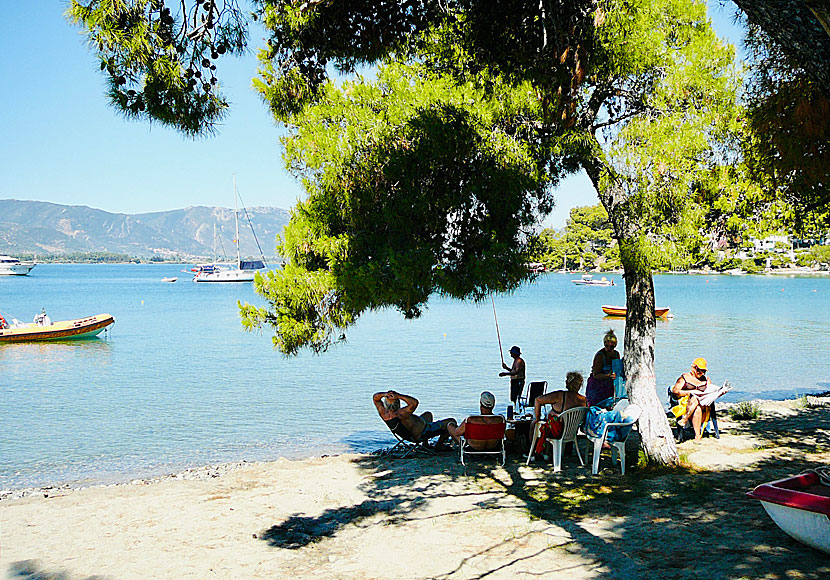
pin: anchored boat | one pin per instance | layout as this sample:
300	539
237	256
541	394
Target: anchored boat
243	270
44	329
13	267
588	280
621	310
800	506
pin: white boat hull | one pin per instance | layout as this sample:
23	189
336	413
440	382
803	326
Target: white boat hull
16	269
808	528
226	276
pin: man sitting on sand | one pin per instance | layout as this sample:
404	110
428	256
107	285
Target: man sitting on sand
485	405
405	423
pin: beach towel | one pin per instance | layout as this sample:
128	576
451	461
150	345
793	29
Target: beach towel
598	417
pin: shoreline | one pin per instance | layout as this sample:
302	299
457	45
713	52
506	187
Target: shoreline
369	517
213	470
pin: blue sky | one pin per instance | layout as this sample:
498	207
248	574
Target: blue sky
62	143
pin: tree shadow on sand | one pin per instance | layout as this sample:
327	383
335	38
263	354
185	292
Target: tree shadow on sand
656	522
32	570
298	531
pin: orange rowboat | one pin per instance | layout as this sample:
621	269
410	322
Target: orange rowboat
621	310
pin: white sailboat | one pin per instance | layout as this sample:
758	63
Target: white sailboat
244	271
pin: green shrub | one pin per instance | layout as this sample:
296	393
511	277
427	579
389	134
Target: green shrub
746	410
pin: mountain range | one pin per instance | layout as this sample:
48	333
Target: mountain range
37	227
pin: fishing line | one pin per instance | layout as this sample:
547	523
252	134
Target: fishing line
498	334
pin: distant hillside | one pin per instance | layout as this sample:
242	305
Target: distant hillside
50	228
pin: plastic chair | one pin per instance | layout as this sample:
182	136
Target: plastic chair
483	431
534	389
628	411
573	419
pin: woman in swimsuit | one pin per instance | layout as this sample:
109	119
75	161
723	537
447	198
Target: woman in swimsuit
601	382
694	382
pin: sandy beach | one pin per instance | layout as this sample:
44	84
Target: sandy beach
365	516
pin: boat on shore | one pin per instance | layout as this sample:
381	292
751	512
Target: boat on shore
621	311
44	329
800	506
588	280
13	267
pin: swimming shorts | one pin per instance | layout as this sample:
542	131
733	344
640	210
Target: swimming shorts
431	430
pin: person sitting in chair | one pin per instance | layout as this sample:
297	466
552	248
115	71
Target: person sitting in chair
695	394
405	423
561	401
485	405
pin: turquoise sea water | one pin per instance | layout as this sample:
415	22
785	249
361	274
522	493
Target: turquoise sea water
178	383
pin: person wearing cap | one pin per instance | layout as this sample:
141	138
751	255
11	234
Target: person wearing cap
486	403
695	394
516	374
601	381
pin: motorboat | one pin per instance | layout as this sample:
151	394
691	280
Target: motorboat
588	280
170	279
44	329
242	271
621	311
13	267
800	506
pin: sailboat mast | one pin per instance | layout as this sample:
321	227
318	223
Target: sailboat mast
236	219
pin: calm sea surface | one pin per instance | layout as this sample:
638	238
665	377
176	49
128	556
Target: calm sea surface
177	382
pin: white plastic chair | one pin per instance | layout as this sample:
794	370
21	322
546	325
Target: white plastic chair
573	420
628	411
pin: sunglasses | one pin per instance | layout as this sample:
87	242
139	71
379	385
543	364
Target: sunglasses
697	370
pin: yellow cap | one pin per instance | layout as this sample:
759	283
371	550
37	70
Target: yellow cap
700	363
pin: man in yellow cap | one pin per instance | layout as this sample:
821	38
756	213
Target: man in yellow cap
695	394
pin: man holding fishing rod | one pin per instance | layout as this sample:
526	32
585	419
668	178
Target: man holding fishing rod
516	374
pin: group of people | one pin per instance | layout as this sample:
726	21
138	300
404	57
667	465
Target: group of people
694	392
403	421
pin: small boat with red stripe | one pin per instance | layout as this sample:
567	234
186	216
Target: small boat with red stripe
44	329
800	506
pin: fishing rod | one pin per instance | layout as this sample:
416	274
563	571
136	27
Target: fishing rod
498	334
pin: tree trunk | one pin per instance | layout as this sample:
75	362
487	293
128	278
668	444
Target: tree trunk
640	325
638	359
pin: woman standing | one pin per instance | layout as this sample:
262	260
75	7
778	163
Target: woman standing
601	382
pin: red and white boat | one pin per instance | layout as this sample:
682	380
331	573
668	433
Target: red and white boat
800	506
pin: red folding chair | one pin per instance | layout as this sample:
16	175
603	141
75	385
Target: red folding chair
474	431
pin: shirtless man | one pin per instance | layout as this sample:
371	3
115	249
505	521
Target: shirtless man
485	406
516	374
405	423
